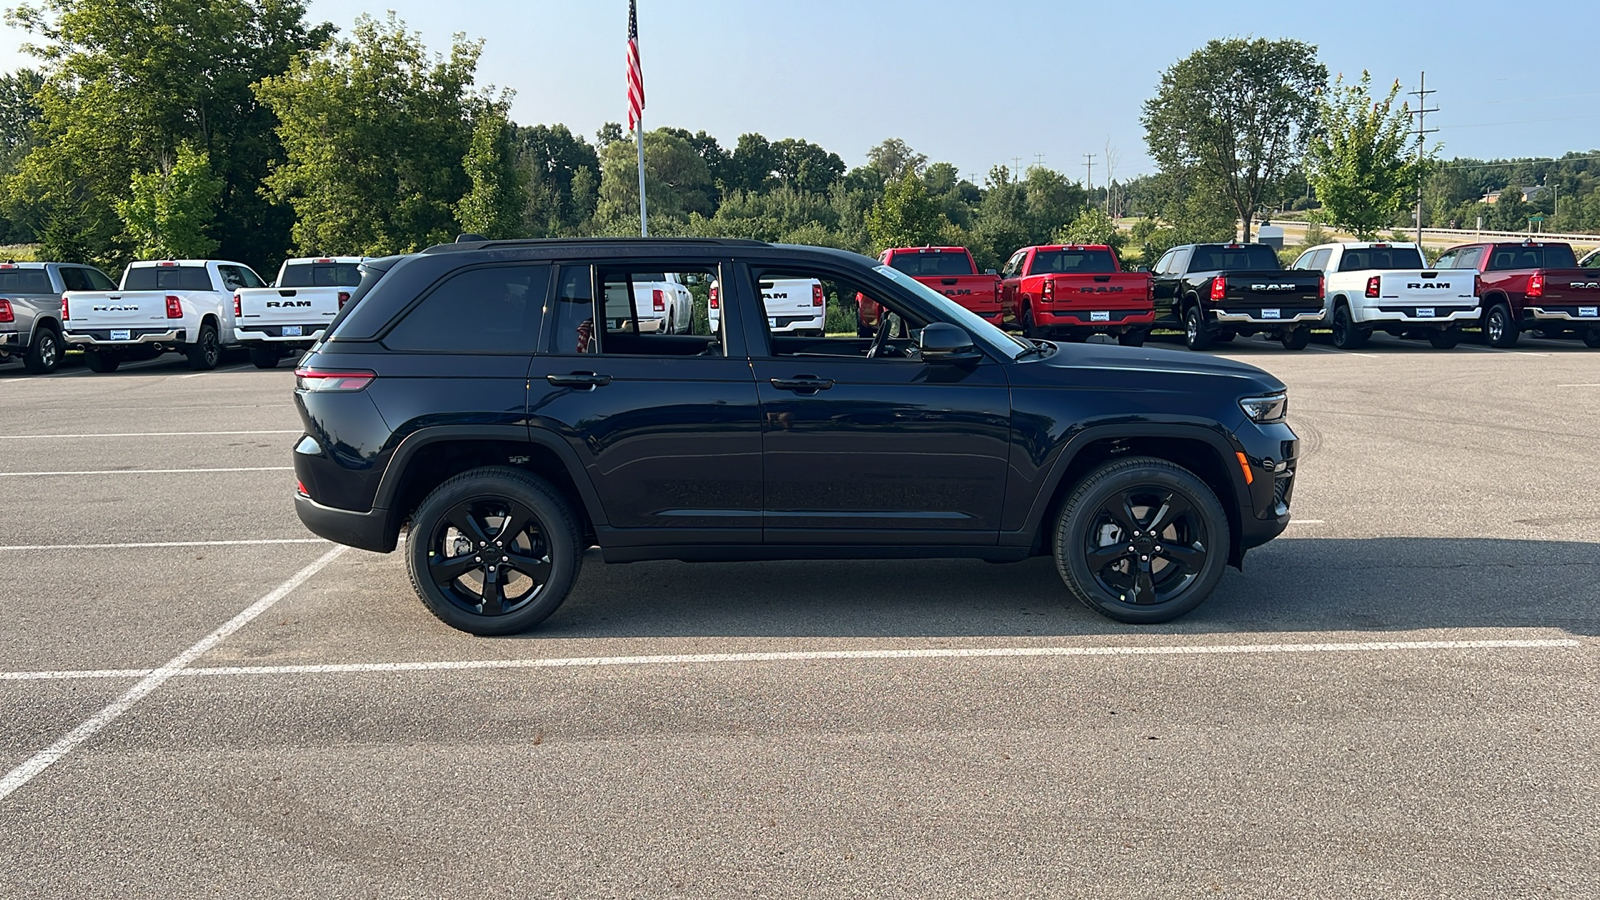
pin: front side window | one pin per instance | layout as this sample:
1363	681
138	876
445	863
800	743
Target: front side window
495	309
1014	264
236	277
795	299
98	280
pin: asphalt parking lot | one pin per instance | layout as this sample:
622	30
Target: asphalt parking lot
1397	699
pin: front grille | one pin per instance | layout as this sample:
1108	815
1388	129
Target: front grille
1282	492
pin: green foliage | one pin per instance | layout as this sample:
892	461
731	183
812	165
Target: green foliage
1092	226
494	205
375	130
1235	116
906	216
558	170
1315	233
676	179
1358	160
892	159
170	210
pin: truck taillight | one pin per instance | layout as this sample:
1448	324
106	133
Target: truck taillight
658	301
344	297
1219	288
1535	285
1322	287
316	380
1047	293
816	294
66	308
6	315
1372	286
174	307
238	307
716	298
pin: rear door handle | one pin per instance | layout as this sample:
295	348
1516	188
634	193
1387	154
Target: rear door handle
803	384
579	379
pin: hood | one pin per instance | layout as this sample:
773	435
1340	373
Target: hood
1113	357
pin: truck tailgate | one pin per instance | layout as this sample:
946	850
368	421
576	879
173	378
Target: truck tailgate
118	309
1416	292
793	297
1260	293
270	309
1575	292
1115	290
978	293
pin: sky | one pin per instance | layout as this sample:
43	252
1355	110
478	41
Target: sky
981	84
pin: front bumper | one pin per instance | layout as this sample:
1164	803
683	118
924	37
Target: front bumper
1272	453
101	337
363	530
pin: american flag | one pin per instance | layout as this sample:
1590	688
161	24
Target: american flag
635	71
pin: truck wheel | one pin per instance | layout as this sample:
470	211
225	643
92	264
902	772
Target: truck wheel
1133	337
102	361
1029	330
1295	338
265	357
1346	335
206	351
493	551
1141	541
1591	338
44	354
1444	340
1195	333
862	331
1499	327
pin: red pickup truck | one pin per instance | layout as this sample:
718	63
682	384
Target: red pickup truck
948	270
1531	286
1076	290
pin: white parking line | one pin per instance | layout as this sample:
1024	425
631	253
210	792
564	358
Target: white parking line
150	544
49	756
148	471
1342	352
687	659
134	434
1307	522
218	371
1577	385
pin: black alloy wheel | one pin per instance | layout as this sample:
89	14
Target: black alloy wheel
1141	540
206	351
44	355
1346	336
1295	338
1029	330
1195	334
493	551
1499	328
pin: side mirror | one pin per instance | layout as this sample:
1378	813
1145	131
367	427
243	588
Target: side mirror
942	342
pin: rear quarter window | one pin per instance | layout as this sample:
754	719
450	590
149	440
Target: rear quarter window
495	309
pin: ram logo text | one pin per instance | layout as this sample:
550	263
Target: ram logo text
1274	287
1427	285
287	304
116	309
1585	285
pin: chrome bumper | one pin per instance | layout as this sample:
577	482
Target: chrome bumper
1470	314
1562	315
166	337
1314	316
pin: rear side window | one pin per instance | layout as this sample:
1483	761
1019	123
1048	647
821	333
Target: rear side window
167	278
932	264
1071	262
29	281
496	309
321	275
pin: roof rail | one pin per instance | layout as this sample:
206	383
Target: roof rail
475	242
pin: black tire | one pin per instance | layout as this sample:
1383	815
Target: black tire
1196	336
1190	542
1591	338
1133	338
1295	338
265	357
1029	330
862	331
1346	334
548	547
1223	337
44	354
101	361
206	351
1499	329
1444	340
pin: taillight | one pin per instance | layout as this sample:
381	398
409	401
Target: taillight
816	295
658	301
1048	292
1322	287
1219	288
1372	286
716	297
1536	285
66	308
300	488
174	307
319	380
6	315
238	308
344	297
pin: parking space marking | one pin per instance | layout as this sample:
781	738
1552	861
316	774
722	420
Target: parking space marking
49	756
1577	385
148	471
153	544
686	659
218	371
134	434
1307	522
1342	352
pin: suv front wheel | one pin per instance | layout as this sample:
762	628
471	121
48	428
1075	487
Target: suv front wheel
493	551
1141	541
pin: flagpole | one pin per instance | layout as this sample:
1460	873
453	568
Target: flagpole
638	138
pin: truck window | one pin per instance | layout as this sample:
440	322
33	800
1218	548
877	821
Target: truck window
235	277
1446	261
1217	258
98	280
1164	264
1550	256
30	281
933	264
1072	262
1014	264
1361	259
168	278
304	275
496	309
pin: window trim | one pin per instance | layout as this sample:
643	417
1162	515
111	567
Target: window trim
721	267
821	272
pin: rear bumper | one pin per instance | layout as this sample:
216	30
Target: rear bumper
792	324
1093	318
362	530
1408	316
10	340
101	337
1572	314
1297	318
276	336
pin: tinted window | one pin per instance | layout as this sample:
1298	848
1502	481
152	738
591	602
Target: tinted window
1469	258
573	312
167	278
321	275
1381	258
28	281
1550	256
933	264
658	314
1164	264
489	310
98	280
1067	262
1217	258
1014	264
239	277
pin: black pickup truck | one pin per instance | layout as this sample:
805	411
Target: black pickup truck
1216	291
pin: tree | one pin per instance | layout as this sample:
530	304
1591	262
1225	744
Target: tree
493	206
906	216
893	158
1092	226
549	159
172	208
751	165
1357	161
376	130
805	166
676	178
1238	114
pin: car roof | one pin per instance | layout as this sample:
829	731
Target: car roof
557	248
147	263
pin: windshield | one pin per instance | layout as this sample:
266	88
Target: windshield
1364	258
981	331
932	263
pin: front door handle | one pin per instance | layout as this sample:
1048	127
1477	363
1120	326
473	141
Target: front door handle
803	384
579	379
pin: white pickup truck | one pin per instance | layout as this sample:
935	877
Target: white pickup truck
1388	287
184	305
661	300
794	306
293	313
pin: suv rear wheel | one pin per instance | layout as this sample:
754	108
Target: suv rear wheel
1141	540
493	551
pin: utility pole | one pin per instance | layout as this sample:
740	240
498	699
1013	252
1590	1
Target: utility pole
1016	168
1088	166
1422	132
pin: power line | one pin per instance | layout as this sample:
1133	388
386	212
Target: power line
1088	165
1517	162
1422	132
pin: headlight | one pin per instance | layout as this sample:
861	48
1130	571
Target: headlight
1267	407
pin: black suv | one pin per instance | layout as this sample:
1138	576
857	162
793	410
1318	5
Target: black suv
513	403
